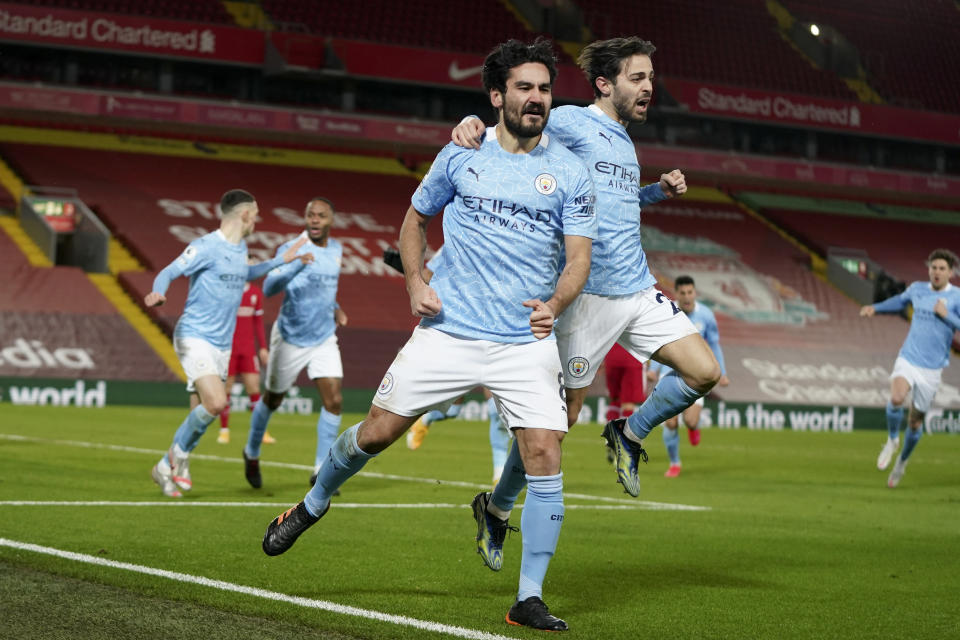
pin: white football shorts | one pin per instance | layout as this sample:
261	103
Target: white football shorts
199	358
435	368
287	360
641	322
923	382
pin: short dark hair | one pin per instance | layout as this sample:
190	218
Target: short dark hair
233	198
682	280
513	53
944	254
319	199
605	57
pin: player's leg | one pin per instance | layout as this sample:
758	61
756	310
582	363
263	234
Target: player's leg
899	388
224	436
691	418
925	384
499	437
251	384
671	440
328	423
419	429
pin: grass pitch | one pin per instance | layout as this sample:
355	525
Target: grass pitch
795	535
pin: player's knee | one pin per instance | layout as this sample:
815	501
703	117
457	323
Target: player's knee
334	404
705	377
215	405
273	400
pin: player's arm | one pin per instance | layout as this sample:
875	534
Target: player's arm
949	315
288	256
653	372
189	262
569	285
339	315
424	302
895	304
258	331
278	278
671	185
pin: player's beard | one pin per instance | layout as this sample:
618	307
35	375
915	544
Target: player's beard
625	106
513	121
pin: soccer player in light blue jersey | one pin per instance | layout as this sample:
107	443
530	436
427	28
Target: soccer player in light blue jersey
706	323
304	335
217	267
924	354
513	209
619	302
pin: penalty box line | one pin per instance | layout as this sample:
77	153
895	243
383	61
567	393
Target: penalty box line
309	603
644	504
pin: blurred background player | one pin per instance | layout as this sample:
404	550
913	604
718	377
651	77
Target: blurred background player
499	435
706	323
924	354
304	335
245	359
216	264
623	375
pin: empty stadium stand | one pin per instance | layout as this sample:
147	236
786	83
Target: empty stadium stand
195	10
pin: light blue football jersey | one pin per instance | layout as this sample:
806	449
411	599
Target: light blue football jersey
618	265
706	323
310	293
504	225
217	270
928	341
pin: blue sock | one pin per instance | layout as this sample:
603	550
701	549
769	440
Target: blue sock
671	396
453	411
894	418
343	460
499	438
258	426
540	526
328	426
910	441
191	429
432	416
512	482
671	438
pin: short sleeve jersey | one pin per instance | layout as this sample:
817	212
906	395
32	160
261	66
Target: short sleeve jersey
504	225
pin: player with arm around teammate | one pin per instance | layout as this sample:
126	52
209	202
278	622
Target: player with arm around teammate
513	209
924	354
217	267
706	323
304	335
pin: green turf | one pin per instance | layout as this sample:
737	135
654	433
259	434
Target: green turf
802	540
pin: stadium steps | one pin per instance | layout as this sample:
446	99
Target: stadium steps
248	14
120	259
138	319
30	250
817	264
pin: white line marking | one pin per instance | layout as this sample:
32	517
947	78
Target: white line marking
644	504
460	632
284	505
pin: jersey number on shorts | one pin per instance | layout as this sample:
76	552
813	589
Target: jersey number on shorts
662	298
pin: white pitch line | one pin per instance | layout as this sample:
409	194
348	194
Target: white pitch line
405	621
644	504
282	505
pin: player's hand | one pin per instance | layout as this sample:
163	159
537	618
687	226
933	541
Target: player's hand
541	318
867	311
941	308
291	254
340	317
424	302
723	381
674	184
154	299
264	356
469	133
652	377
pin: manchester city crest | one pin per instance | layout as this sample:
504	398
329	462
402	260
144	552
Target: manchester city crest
545	184
578	367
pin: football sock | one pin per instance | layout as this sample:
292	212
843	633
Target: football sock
894	418
671	396
910	441
225	417
511	483
432	416
254	399
671	438
190	430
258	426
540	527
344	459
499	437
613	412
453	411
328	426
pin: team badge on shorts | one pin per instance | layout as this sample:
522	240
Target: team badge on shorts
386	385
545	184
578	367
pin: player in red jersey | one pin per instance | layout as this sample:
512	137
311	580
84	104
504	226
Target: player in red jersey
624	376
243	355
